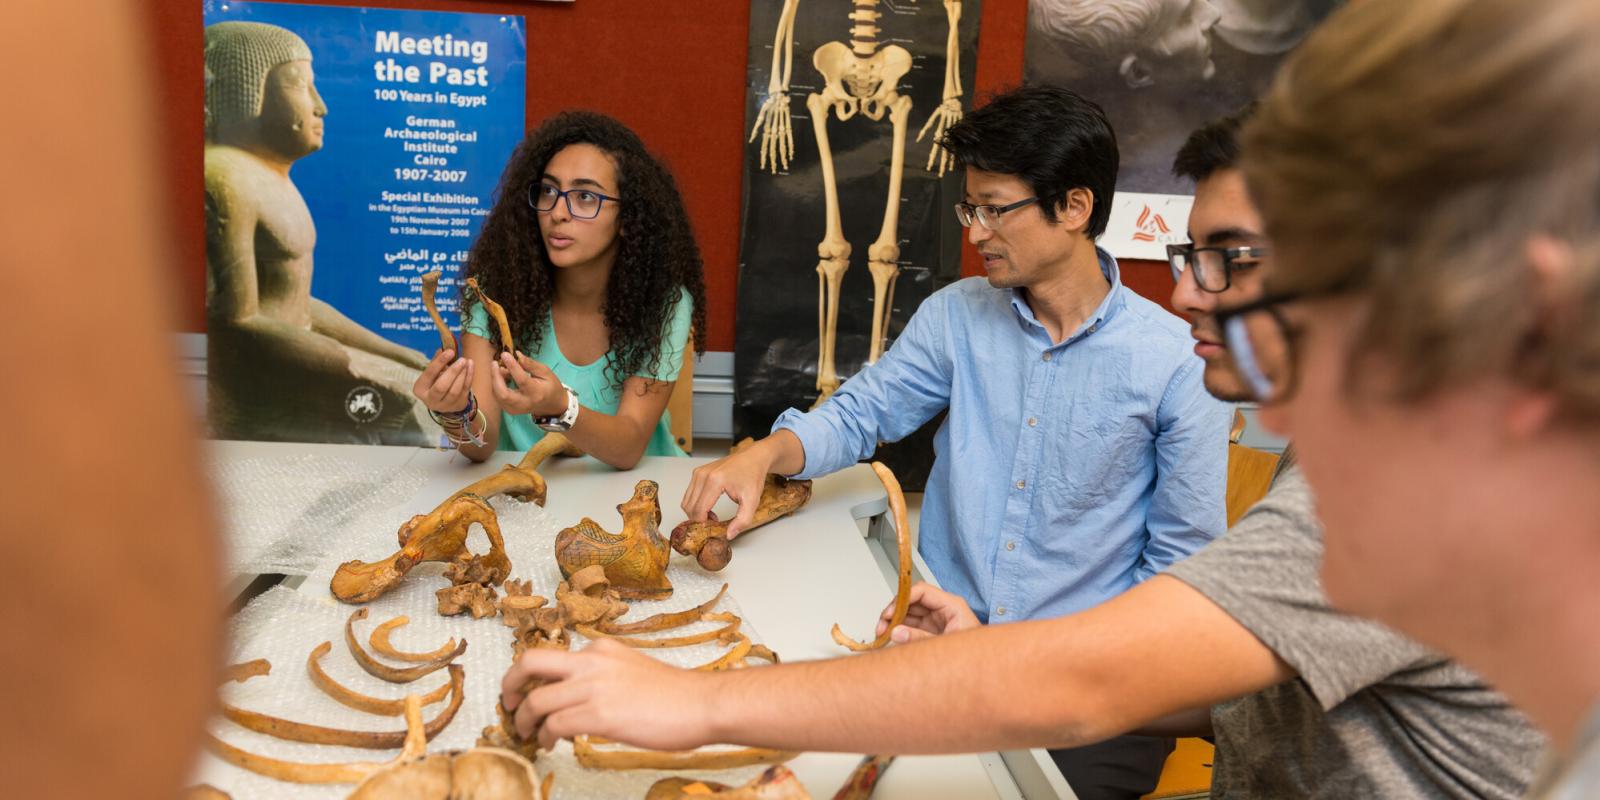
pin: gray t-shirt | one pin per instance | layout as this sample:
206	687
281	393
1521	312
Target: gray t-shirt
1578	777
1373	714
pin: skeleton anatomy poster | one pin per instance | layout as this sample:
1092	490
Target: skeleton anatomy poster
348	151
1160	69
848	220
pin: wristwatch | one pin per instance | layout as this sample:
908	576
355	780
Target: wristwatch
563	422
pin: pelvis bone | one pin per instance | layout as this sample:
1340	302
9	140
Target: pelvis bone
635	561
860	84
441	535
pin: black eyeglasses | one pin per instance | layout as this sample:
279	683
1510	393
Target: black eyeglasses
1213	267
988	216
581	203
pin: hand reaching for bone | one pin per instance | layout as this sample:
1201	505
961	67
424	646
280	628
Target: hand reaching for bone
932	612
742	476
947	114
777	135
537	391
596	691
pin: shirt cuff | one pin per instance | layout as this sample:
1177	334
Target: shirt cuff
813	438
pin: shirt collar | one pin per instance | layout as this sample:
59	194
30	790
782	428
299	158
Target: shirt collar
1114	300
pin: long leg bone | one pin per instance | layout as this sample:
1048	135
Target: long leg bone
902	536
883	255
708	541
360	702
380	643
591	758
378	669
833	253
372	740
430	287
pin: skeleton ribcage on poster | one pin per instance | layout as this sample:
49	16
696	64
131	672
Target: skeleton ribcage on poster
836	86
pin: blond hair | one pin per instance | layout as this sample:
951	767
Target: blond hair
1411	149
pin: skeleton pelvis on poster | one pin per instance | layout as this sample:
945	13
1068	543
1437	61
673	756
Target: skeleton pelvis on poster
860	79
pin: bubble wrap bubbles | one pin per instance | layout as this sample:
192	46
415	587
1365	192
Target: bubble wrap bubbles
282	514
283	626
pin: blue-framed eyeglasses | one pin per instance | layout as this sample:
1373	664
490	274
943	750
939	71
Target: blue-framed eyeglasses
581	203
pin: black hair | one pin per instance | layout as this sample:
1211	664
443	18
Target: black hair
1051	138
1213	147
656	251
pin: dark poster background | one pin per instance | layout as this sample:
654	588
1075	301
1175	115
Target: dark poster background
776	344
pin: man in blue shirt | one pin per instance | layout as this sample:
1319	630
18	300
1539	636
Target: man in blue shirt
1081	453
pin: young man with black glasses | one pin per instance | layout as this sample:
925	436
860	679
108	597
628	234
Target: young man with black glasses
1237	642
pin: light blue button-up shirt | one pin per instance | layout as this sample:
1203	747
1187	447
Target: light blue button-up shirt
1064	473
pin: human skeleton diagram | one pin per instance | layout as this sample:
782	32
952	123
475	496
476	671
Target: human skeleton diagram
861	78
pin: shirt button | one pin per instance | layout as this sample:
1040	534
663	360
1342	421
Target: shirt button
1032	421
1011	545
1022	484
1000	612
1047	356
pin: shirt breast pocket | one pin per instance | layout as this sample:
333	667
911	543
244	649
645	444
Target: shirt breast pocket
1099	456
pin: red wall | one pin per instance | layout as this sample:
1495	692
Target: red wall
674	71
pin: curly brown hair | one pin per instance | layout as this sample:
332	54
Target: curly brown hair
656	251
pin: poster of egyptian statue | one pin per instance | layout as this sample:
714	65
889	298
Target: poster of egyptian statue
1160	69
848	222
348	152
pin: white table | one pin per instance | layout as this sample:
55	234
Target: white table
793	578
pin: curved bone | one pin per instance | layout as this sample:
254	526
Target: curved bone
378	669
360	702
497	311
438	536
591	758
413	746
380	642
635	560
776	783
708	541
902	536
731	659
430	286
372	740
522	480
661	622
726	634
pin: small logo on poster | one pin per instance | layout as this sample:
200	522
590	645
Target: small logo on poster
1150	226
363	404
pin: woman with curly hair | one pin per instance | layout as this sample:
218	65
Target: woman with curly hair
588	249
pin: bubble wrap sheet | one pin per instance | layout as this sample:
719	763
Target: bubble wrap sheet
282	514
283	626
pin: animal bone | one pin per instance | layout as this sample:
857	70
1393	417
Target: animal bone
864	778
441	535
357	701
380	642
726	634
635	560
591	758
373	740
495	310
708	541
517	607
476	599
776	783
430	285
488	773
414	745
587	597
437	536
661	622
378	669
902	536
